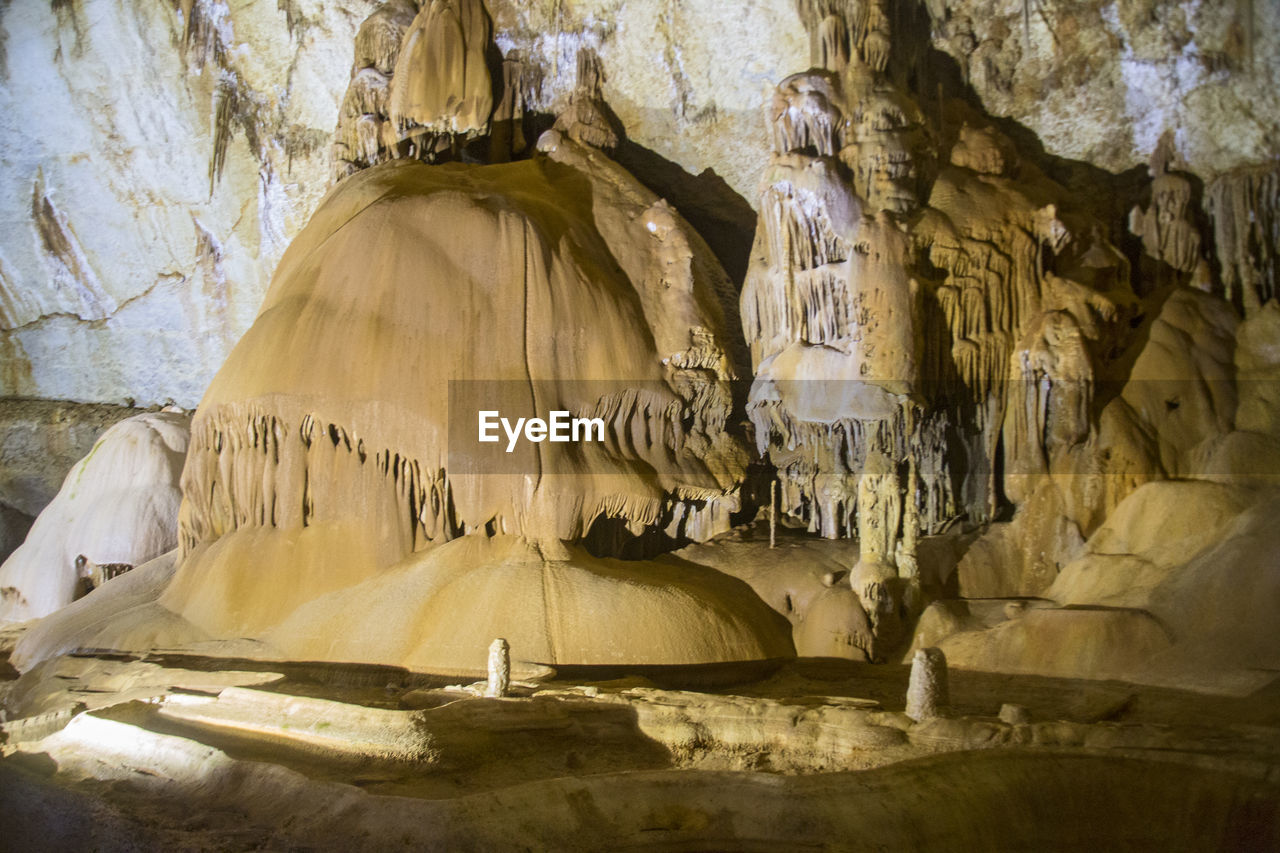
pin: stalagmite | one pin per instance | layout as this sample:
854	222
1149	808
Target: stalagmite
499	682
1014	715
927	692
773	514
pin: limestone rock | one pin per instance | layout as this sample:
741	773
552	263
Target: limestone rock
441	83
14	526
160	157
434	610
1078	642
835	625
117	505
1102	81
1245	207
121	615
333	430
41	440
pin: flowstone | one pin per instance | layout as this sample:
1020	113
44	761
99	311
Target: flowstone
923	329
338	443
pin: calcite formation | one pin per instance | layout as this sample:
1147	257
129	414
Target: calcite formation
342	426
420	84
1245	207
587	119
916	328
1008	412
499	681
440	87
332	420
118	505
365	134
127	104
1170	237
927	692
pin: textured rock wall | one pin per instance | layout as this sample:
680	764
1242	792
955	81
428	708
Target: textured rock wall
160	154
158	159
40	441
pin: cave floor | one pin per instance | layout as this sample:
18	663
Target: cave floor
117	751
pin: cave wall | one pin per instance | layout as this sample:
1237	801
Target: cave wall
161	154
1102	80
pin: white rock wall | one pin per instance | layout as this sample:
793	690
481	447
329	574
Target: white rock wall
126	270
122	275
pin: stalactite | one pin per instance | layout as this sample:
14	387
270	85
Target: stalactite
805	115
250	468
441	84
1170	237
364	135
586	118
947	346
1244	206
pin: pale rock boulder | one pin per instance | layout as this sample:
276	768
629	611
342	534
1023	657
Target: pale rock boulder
117	505
1178	587
1201	557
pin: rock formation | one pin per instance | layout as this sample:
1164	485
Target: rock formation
91	575
335	422
927	692
118	505
343	425
440	92
587	119
1245	207
904	316
1012	409
365	135
499	669
1170	237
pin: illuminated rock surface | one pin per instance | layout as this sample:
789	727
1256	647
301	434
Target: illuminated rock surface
117	505
898	352
327	432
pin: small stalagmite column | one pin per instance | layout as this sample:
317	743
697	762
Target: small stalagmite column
773	514
499	669
927	694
